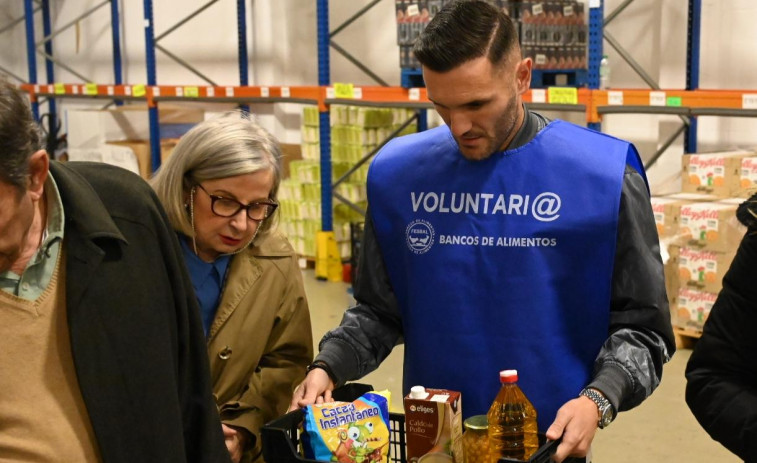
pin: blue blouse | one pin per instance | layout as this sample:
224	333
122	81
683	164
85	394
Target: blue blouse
207	280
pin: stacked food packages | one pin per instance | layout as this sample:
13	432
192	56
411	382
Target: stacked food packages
355	132
552	32
699	232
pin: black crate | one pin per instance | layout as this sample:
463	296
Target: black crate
281	437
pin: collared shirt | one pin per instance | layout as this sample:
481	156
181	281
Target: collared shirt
36	276
207	280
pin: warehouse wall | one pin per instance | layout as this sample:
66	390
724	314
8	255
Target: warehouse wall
283	52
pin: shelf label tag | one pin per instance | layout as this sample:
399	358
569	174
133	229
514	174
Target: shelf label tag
615	98
111	90
265	92
414	94
674	101
657	99
179	91
156	91
36	89
595	3
229	92
344	90
537	9
285	93
191	92
75	89
138	90
413	10
562	95
330	93
210	92
538	95
90	89
358	93
60	89
749	101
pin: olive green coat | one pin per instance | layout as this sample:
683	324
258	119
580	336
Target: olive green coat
260	341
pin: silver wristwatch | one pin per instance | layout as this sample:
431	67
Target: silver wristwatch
606	411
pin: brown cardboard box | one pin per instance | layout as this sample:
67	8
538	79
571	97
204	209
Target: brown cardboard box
667	210
670	270
711	226
713	173
747	178
693	308
141	149
703	270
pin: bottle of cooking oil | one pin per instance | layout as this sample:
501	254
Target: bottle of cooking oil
512	422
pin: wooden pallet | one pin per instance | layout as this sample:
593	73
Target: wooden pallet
686	339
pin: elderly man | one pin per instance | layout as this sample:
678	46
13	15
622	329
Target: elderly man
103	351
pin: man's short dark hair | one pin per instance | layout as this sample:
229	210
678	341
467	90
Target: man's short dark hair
19	135
465	30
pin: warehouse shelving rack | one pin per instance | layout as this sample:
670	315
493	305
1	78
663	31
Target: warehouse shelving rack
689	103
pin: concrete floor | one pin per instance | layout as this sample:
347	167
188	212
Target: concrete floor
662	429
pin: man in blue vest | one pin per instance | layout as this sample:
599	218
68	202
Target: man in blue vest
504	240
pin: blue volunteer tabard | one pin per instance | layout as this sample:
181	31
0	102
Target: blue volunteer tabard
504	263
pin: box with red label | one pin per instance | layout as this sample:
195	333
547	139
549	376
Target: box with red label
713	173
712	226
747	178
702	270
693	308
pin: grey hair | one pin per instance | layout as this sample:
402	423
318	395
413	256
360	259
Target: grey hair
19	136
226	146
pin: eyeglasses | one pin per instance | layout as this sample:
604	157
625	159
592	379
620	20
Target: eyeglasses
227	207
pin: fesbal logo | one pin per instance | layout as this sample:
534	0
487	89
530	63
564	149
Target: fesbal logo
419	236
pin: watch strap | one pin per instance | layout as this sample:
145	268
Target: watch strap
323	366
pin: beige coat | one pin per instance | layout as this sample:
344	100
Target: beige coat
260	341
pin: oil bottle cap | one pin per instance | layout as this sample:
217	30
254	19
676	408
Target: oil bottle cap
418	392
508	376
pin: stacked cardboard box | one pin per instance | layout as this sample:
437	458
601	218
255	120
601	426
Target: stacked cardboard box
355	133
699	231
121	136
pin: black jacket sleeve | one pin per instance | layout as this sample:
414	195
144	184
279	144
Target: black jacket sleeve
629	365
722	372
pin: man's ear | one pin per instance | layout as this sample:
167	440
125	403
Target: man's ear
39	166
523	74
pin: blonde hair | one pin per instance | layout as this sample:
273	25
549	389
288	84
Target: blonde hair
226	146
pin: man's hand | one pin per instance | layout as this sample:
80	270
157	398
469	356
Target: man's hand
236	440
577	423
316	388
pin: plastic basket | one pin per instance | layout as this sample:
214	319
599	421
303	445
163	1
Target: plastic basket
281	437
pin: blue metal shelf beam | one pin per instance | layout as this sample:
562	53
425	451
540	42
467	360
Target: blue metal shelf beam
692	67
152	111
244	74
31	54
324	79
596	25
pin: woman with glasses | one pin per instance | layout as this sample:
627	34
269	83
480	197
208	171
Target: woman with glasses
219	188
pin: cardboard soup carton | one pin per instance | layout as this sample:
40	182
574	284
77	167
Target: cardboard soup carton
433	426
